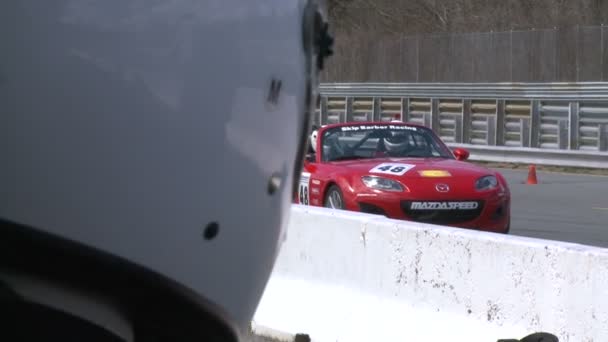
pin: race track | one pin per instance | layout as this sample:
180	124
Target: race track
563	207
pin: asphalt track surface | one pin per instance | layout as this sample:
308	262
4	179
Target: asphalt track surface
562	207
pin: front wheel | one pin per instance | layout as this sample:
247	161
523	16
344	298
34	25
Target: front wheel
334	198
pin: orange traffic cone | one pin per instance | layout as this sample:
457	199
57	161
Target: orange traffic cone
532	175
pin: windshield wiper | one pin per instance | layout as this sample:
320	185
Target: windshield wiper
413	155
347	158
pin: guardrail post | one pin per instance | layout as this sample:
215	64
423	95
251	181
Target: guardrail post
427	119
435	115
534	137
323	111
524	132
602	138
500	122
562	134
491	130
405	109
573	117
466	121
376	109
458	129
348	110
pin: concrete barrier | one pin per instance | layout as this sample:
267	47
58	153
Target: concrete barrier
344	276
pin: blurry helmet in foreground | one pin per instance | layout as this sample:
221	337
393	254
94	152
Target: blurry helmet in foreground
149	154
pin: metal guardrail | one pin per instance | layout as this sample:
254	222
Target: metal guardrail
532	118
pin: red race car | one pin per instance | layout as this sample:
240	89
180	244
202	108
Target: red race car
402	171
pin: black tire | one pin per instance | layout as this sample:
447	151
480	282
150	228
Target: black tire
334	198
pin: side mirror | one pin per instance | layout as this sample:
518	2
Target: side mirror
309	167
461	154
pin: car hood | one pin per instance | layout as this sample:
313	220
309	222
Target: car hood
416	168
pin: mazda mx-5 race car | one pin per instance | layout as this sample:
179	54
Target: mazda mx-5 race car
402	171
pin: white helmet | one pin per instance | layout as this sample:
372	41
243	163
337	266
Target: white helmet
313	138
397	142
150	151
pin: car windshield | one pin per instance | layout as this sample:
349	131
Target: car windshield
362	141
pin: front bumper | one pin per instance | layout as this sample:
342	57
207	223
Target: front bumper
491	212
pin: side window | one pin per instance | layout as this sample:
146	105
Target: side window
428	143
420	141
329	150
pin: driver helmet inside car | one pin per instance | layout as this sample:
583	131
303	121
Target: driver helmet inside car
396	141
148	165
313	139
314	136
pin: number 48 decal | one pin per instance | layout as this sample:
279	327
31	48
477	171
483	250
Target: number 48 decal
303	194
392	168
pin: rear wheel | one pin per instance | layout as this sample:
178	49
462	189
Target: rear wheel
334	198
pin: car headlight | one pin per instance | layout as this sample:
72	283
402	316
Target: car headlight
486	183
381	183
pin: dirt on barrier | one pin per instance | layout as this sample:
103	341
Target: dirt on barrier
258	338
544	168
251	336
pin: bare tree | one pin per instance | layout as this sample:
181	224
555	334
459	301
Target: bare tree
421	40
431	16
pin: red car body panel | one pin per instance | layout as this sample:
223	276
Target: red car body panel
421	196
